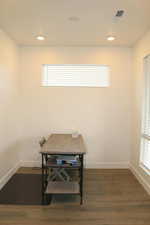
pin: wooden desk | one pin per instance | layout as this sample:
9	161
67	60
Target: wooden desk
62	144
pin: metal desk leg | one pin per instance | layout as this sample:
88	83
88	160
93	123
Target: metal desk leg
81	180
46	170
46	199
42	179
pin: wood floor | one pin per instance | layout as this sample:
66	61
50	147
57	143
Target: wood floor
112	197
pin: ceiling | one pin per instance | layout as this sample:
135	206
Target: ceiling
24	19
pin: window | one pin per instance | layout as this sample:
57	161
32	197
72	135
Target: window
145	138
75	75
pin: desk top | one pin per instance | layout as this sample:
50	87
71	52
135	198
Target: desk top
64	144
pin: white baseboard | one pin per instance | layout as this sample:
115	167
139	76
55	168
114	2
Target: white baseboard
8	175
107	165
140	179
91	165
30	163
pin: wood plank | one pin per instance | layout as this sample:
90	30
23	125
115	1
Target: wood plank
64	144
60	187
112	197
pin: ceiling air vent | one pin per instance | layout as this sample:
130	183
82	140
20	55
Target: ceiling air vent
119	13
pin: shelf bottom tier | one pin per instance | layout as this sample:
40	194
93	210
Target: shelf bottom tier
60	187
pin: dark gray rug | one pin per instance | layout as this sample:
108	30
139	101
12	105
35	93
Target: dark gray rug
22	189
25	189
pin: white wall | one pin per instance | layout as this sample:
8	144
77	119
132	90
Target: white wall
141	49
9	98
102	115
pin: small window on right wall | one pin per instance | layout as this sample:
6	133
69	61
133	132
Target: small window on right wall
145	135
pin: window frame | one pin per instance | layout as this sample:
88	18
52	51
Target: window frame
144	136
75	86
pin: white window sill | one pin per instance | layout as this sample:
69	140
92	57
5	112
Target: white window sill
145	169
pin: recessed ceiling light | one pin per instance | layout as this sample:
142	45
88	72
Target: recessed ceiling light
110	38
40	38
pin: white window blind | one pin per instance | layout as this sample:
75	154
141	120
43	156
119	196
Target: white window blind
145	139
75	75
